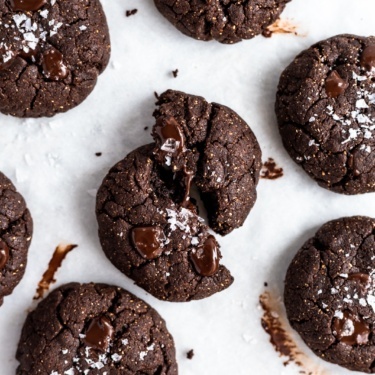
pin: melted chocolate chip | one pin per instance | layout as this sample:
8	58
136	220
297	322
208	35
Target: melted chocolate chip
188	179
27	5
53	65
147	241
350	329
170	136
335	85
206	259
368	57
99	334
4	254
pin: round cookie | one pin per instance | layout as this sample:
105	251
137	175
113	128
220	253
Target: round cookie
326	113
330	293
149	227
95	329
222	20
51	54
16	229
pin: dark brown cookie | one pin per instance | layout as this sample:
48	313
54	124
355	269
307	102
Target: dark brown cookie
326	113
149	227
225	156
16	229
330	293
95	329
223	20
51	54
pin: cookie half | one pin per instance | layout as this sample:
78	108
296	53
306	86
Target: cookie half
16	229
95	329
325	107
222	20
330	293
51	54
220	151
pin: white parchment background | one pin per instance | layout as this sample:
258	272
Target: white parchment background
53	164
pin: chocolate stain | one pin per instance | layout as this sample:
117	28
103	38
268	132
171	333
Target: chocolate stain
281	27
54	264
270	170
279	337
275	324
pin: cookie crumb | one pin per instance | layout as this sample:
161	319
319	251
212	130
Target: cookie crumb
98	153
54	264
131	12
175	73
266	284
280	27
145	128
270	170
190	354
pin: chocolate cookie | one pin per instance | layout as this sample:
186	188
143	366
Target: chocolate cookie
225	21
16	229
330	293
149	227
51	54
326	113
95	329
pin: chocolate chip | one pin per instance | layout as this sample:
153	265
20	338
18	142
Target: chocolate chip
99	334
4	254
368	57
148	241
335	85
27	5
206	258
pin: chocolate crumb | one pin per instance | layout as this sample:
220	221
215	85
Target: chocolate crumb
175	73
190	354
54	264
145	128
131	12
270	170
280	27
266	284
98	153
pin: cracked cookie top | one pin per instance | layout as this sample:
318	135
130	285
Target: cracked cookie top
149	226
95	329
226	21
15	236
330	293
326	113
51	53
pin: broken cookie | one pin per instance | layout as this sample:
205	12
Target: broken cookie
150	228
